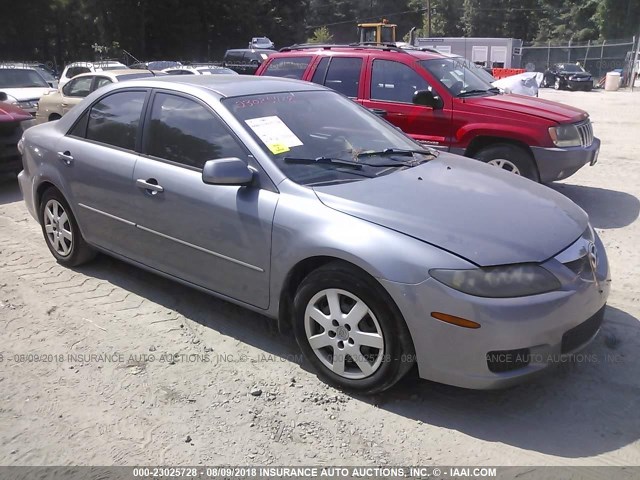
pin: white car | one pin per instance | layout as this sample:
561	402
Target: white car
76	68
199	70
23	86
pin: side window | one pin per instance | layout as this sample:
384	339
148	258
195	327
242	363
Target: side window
73	71
114	120
288	67
101	82
183	131
78	87
395	82
321	71
344	75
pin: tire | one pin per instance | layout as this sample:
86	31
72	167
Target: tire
387	348
61	232
557	85
511	158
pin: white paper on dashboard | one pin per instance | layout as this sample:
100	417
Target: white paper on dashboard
273	131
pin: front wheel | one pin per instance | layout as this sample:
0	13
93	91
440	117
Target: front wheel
349	329
511	158
61	231
557	85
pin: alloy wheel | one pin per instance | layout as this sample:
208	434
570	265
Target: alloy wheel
58	228
505	165
344	334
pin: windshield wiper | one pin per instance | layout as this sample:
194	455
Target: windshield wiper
399	151
477	91
342	161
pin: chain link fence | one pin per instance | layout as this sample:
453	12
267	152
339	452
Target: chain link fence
598	58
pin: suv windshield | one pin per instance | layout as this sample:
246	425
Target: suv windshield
457	78
321	137
21	78
569	67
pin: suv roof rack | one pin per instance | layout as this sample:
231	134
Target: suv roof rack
328	46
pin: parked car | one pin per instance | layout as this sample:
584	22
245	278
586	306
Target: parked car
569	76
13	121
56	103
76	68
155	65
41	68
261	43
441	103
23	87
245	61
199	70
293	201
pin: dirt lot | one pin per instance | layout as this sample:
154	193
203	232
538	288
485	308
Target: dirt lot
108	364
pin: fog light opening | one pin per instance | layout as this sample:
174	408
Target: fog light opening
453	320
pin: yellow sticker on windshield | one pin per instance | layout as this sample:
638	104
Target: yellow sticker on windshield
277	148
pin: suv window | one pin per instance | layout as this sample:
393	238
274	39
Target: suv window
395	82
73	71
321	71
78	87
344	75
233	56
288	67
183	131
114	120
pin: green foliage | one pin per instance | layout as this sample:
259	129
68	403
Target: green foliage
321	35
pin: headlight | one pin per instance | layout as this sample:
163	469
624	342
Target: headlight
11	99
499	282
565	136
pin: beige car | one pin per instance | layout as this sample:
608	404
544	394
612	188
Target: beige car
53	105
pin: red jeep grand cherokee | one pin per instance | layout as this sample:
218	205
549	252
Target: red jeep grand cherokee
440	103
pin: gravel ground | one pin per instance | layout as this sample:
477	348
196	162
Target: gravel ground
107	364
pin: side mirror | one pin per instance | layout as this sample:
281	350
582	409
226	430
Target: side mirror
426	98
227	171
3	97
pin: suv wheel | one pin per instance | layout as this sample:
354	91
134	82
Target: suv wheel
61	232
509	157
349	329
557	85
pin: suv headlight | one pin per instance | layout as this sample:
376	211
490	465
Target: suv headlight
565	136
499	282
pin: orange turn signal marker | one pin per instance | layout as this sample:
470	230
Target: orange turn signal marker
460	322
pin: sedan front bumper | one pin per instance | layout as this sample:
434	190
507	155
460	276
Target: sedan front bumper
544	328
559	163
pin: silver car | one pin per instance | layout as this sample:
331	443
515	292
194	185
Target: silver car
294	201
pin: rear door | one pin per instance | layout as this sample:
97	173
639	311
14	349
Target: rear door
214	236
390	86
98	156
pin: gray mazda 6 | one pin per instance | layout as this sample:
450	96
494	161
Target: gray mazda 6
293	201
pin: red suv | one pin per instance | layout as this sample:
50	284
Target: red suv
441	103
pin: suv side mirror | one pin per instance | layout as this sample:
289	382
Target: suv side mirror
426	98
227	171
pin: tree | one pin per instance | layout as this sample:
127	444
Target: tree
321	35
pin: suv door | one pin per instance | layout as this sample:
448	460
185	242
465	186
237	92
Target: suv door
98	156
214	236
390	87
342	74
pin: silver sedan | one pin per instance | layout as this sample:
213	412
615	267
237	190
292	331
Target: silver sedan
295	202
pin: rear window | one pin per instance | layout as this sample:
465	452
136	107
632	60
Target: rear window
132	76
114	120
288	67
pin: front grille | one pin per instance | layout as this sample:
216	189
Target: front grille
507	360
581	334
586	133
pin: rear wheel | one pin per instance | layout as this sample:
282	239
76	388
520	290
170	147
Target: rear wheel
349	329
61	232
557	85
511	158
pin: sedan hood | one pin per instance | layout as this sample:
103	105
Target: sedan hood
23	94
479	212
534	106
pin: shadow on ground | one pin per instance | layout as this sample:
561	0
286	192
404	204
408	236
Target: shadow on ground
582	408
606	208
9	190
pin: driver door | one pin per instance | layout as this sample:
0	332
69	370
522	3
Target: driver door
390	87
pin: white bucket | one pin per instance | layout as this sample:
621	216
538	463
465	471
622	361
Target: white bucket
612	81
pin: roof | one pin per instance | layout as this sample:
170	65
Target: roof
112	73
230	85
382	50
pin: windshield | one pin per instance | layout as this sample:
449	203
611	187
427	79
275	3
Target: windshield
455	77
21	78
321	125
570	68
45	74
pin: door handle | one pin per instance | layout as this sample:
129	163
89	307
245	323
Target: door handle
378	111
64	105
65	157
150	185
